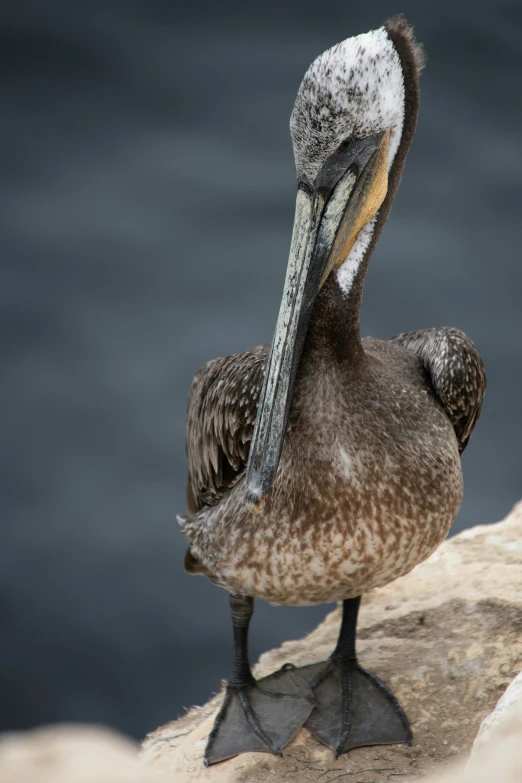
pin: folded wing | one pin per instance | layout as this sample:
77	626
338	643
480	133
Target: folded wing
456	372
221	415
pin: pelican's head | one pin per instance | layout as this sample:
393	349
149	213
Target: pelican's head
352	123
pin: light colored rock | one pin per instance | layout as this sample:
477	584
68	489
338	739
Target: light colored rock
506	719
71	754
447	638
83	754
497	751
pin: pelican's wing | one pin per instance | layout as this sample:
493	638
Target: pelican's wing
456	371
221	415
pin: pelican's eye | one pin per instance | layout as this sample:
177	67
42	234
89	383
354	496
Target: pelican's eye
345	145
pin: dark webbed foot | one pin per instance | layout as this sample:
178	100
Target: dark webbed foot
261	716
257	716
354	707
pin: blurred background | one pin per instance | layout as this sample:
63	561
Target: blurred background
147	202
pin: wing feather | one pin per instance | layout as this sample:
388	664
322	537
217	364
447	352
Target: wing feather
222	410
456	371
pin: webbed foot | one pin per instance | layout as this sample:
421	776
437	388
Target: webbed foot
354	707
260	716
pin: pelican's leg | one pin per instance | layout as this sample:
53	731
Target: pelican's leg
354	707
263	715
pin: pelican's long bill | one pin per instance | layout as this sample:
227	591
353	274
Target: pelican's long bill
347	192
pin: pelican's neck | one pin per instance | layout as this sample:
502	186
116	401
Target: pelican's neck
334	333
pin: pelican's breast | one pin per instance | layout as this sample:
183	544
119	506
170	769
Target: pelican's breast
366	489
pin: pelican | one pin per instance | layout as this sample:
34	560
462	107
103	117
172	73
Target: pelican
326	465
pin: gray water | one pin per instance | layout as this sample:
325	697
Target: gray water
147	202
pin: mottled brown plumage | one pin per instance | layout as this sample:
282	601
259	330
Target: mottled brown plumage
369	481
225	393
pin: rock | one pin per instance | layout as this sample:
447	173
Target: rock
447	638
84	754
71	754
506	719
497	751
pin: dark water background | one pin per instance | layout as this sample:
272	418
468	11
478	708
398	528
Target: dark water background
147	201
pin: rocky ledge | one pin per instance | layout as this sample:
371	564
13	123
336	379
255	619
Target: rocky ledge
447	638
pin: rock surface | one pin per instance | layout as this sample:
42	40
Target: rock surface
506	719
84	754
447	638
497	751
71	754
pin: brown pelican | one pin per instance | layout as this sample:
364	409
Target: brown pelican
327	465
